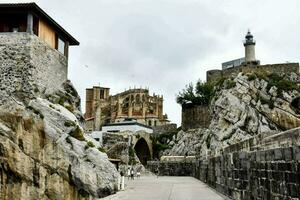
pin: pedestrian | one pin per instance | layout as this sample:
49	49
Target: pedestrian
122	180
138	174
132	174
128	173
157	171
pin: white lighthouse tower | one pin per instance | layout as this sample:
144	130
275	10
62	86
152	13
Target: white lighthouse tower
249	44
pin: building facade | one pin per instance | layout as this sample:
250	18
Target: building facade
126	125
233	63
37	64
103	108
249	64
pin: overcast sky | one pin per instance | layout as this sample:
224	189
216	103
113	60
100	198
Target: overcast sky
165	44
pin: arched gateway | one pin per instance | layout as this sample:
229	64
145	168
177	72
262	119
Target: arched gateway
142	151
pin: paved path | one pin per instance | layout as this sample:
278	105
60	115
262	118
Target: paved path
166	188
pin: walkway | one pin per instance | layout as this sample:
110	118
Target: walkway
166	188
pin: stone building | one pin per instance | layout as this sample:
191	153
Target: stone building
40	46
198	116
250	64
103	108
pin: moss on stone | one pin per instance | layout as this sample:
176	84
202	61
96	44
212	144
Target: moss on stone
69	123
69	107
101	149
77	133
89	144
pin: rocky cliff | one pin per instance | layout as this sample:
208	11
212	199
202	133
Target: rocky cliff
244	106
44	153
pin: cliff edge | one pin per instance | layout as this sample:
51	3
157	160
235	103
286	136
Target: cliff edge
243	106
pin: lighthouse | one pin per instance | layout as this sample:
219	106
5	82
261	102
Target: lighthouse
249	45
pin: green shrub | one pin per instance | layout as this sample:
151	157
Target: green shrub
229	84
62	100
251	77
220	81
69	123
89	144
280	83
202	94
102	149
69	107
77	133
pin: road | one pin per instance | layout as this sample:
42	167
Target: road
166	188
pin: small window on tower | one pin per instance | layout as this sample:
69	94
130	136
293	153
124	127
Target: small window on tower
101	94
61	45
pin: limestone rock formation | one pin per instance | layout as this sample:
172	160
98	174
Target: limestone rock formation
44	154
244	106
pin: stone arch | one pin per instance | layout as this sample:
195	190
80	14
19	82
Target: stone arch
143	151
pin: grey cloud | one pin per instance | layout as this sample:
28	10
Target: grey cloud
165	44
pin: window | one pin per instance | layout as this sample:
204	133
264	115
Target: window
149	123
155	122
101	94
61	45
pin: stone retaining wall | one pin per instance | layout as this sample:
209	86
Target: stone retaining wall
266	166
177	168
28	66
166	128
263	167
282	68
195	116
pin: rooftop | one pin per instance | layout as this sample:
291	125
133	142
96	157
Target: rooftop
36	10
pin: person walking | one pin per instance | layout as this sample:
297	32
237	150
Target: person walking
122	183
128	173
157	171
138	174
132	174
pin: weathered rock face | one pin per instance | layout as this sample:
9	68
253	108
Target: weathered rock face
43	150
43	157
244	106
188	143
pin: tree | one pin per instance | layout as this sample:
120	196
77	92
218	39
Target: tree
201	95
205	91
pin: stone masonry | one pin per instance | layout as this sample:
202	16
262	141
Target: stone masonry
195	116
266	166
172	168
29	67
282	68
263	167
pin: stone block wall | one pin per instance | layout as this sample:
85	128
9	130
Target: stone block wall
195	116
28	66
167	128
178	168
270	170
282	68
